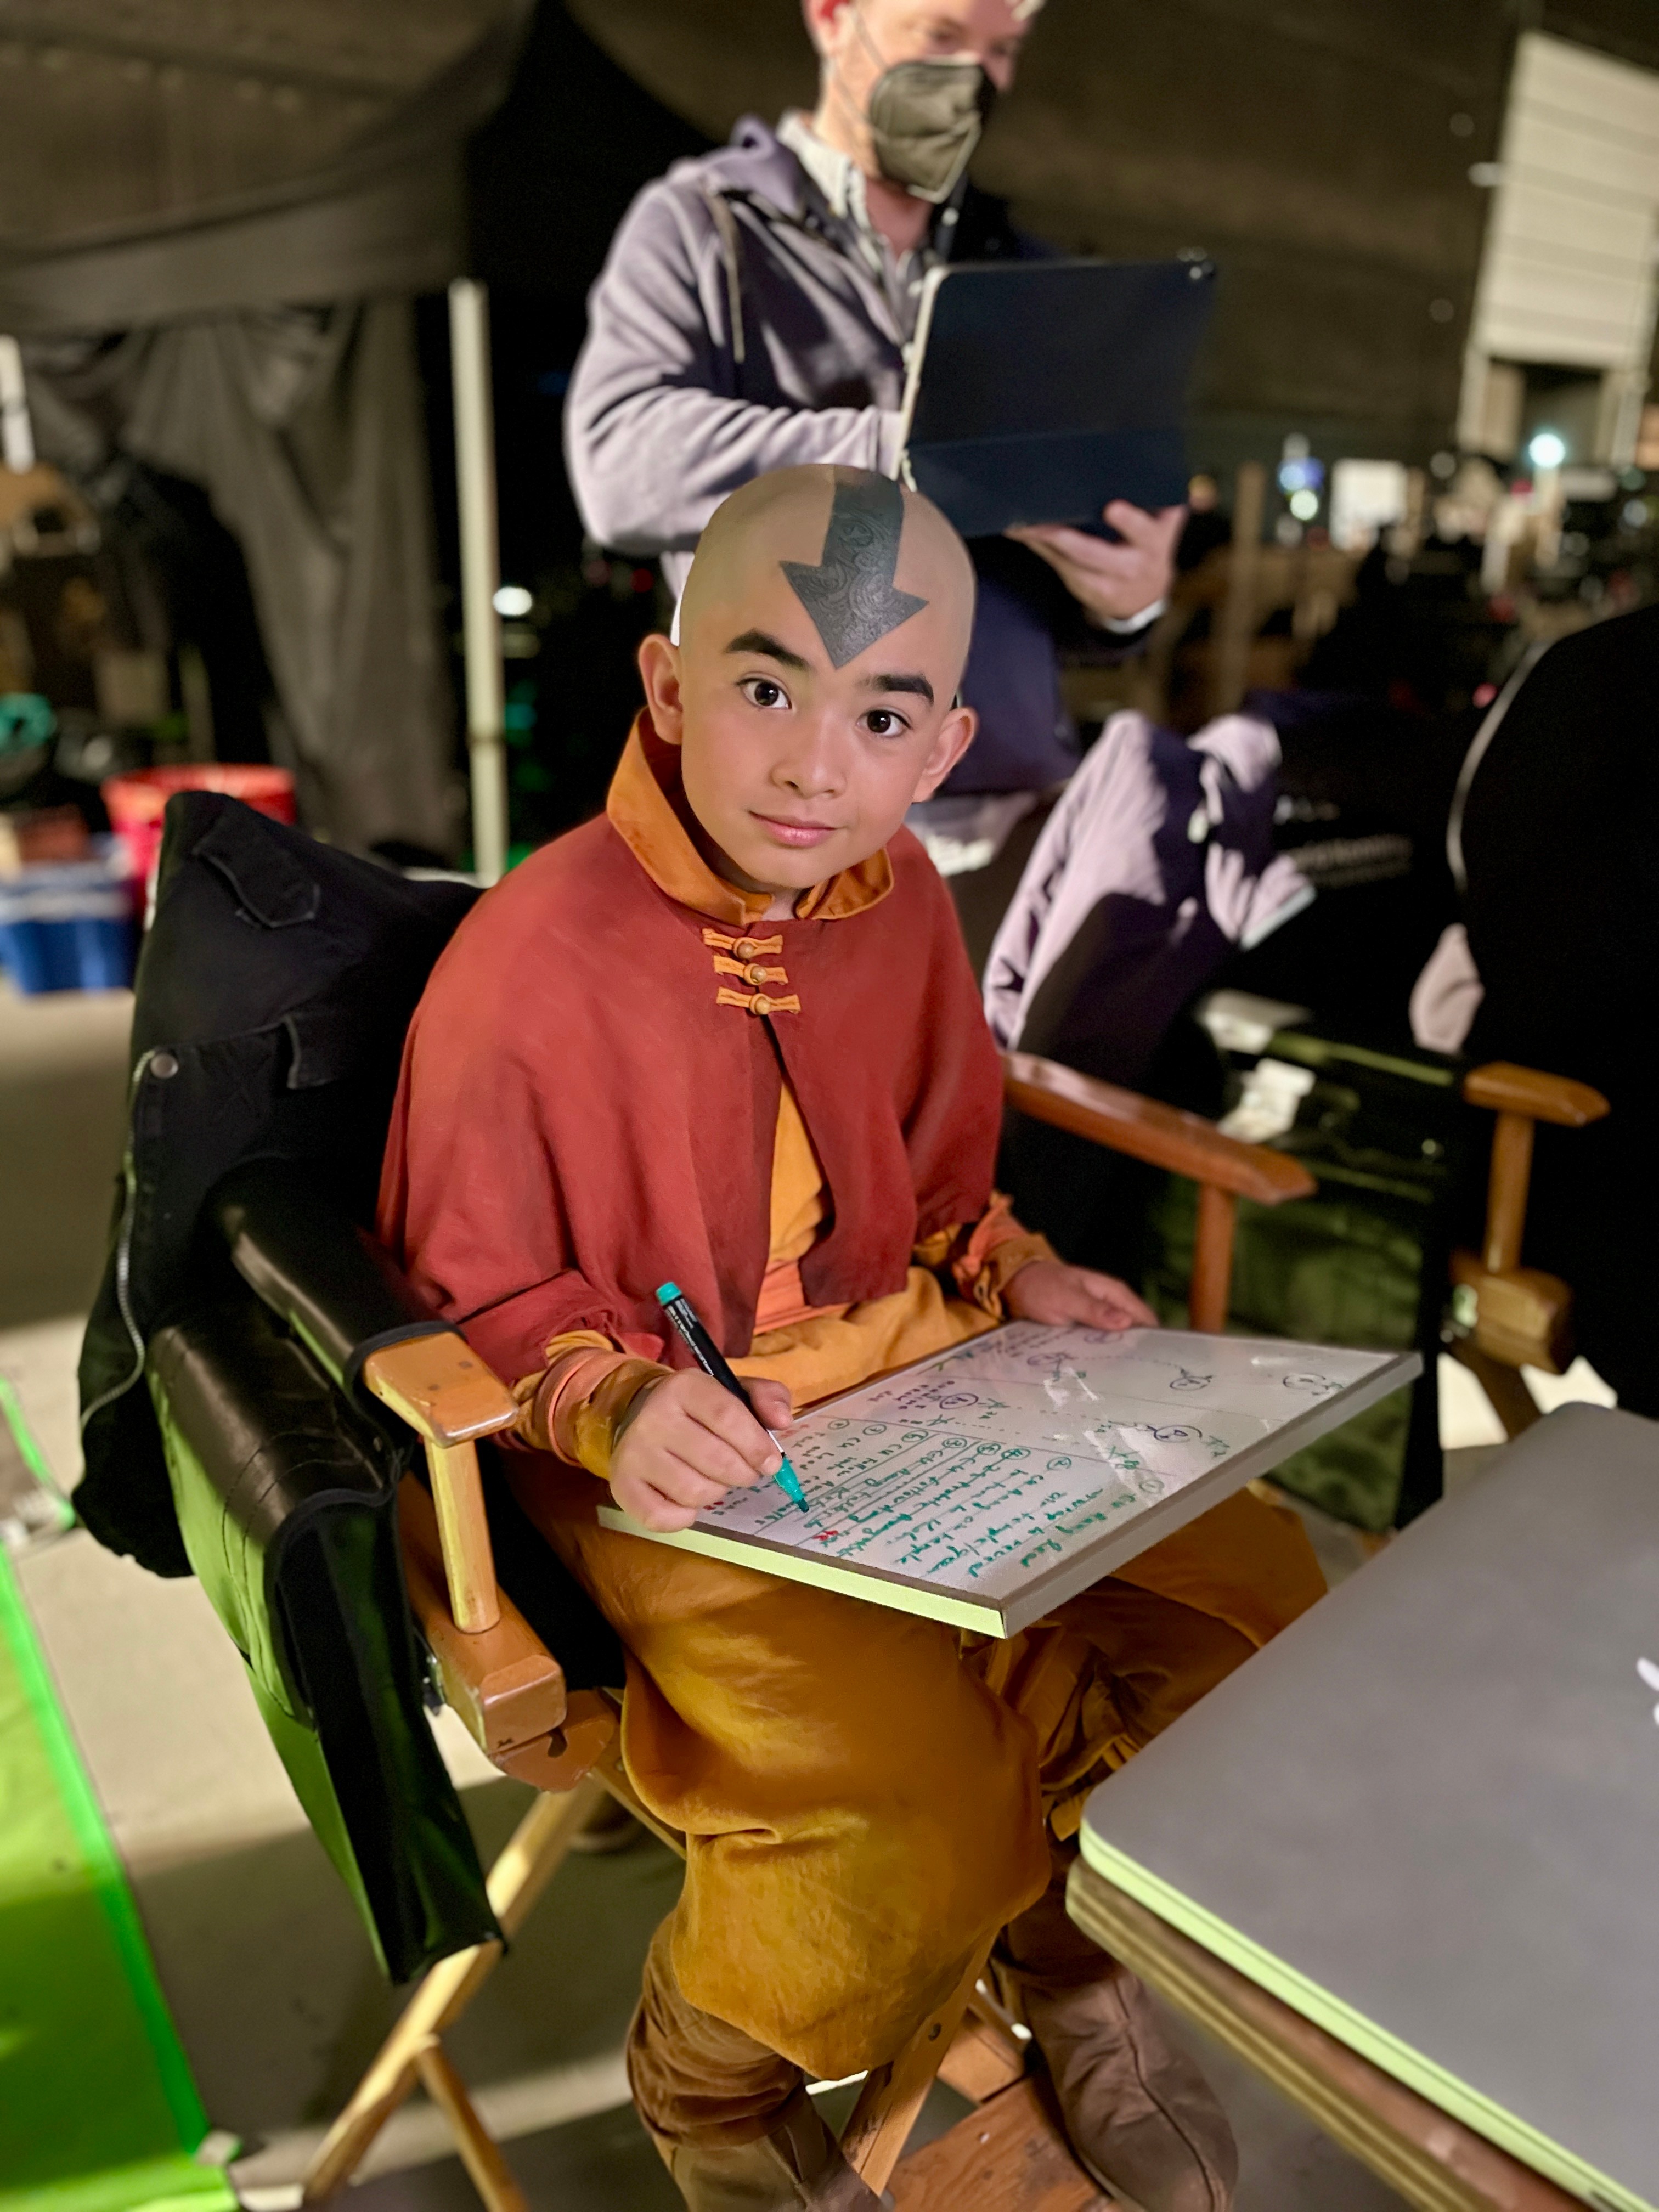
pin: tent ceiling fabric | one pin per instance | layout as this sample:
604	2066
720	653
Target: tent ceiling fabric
1126	117
112	110
206	159
710	61
257	152
399	229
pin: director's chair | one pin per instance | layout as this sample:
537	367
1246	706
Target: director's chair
292	1396
1493	1313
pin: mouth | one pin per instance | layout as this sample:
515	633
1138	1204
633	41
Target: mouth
800	835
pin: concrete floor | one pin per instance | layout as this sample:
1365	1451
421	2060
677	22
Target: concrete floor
63	1092
271	1982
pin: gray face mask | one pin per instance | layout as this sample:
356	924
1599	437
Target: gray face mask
925	121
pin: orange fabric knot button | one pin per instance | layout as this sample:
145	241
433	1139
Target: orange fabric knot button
757	1002
746	948
757	971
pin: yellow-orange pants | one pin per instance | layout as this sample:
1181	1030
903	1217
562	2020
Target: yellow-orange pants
863	1794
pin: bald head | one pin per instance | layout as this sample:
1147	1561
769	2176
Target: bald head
868	564
812	690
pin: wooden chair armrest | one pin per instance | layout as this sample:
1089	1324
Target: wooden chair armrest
440	1387
1225	1169
505	1684
1523	1317
1506	1089
1163	1136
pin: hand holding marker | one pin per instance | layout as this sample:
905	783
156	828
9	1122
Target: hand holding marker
707	1354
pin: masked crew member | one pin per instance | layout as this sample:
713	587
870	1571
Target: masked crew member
754	314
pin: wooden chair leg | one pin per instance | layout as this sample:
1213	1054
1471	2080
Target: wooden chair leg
1513	1403
987	2008
987	2055
1010	2153
528	1864
608	1769
480	2153
873	2140
969	2038
1213	1259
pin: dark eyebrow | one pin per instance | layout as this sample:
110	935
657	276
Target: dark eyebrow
758	640
918	684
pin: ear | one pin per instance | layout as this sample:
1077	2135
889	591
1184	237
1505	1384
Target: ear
955	735
821	19
661	671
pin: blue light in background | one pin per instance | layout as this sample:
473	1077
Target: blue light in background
1303	474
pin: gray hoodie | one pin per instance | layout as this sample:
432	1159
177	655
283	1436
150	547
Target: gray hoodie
745	322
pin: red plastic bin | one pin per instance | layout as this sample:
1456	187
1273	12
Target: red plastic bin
137	802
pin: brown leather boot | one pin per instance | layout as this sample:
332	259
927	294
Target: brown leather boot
798	2167
1139	2116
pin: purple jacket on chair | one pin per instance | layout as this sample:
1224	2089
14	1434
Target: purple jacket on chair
1158	862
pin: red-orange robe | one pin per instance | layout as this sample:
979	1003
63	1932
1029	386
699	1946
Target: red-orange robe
590	1104
581	1118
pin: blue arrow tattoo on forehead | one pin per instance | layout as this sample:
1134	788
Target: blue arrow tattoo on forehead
850	595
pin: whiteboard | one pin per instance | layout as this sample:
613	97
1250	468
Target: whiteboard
986	1485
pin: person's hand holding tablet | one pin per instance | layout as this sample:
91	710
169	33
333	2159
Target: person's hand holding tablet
1113	583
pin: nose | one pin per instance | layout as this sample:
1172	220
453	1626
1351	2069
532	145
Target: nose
815	767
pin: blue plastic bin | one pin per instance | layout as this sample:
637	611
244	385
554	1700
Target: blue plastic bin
67	925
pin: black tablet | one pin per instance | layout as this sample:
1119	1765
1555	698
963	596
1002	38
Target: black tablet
1040	389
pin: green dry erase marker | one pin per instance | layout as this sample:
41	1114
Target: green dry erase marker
707	1354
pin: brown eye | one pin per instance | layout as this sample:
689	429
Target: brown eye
763	691
883	723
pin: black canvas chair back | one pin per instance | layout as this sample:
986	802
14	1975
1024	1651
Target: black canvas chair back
276	986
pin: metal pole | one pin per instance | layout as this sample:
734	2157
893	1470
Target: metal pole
480	626
16	433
